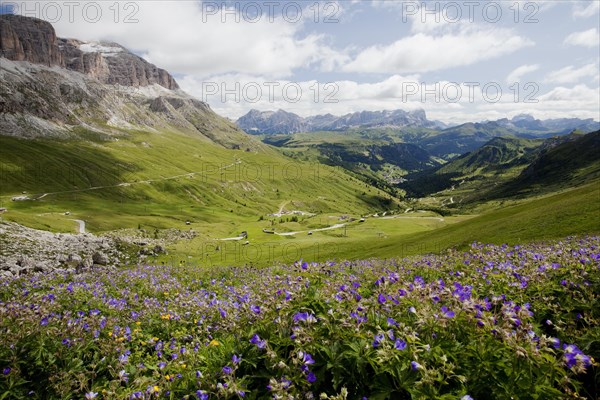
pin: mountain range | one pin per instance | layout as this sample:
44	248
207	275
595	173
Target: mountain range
280	121
283	122
71	89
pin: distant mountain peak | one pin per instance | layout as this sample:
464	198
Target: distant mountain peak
523	117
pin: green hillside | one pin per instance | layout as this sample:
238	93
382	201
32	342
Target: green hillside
567	164
575	211
161	180
504	166
498	159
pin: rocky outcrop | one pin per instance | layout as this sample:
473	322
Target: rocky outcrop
25	251
89	63
28	39
35	41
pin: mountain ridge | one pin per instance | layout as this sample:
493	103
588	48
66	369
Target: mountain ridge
505	167
281	121
524	125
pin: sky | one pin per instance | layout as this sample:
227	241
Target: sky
458	60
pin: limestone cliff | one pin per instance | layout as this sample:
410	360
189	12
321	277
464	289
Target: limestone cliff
35	41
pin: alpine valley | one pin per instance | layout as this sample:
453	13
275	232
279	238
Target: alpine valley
92	133
153	249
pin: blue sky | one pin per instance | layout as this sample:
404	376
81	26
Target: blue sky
537	57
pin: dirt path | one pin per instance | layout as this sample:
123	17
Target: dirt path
336	226
81	225
403	217
233	238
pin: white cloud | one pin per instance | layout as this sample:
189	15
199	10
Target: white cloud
579	101
589	38
301	97
517	73
191	37
406	92
571	74
423	52
585	11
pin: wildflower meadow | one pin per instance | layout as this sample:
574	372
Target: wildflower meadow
492	322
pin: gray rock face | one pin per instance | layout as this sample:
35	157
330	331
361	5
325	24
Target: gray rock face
28	39
100	258
35	41
89	63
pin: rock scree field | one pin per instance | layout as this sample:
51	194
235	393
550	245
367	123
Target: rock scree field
492	322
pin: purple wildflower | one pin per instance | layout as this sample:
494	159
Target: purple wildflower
256	340
399	344
304	317
201	395
447	313
378	339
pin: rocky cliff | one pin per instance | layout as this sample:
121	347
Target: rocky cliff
35	41
28	39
